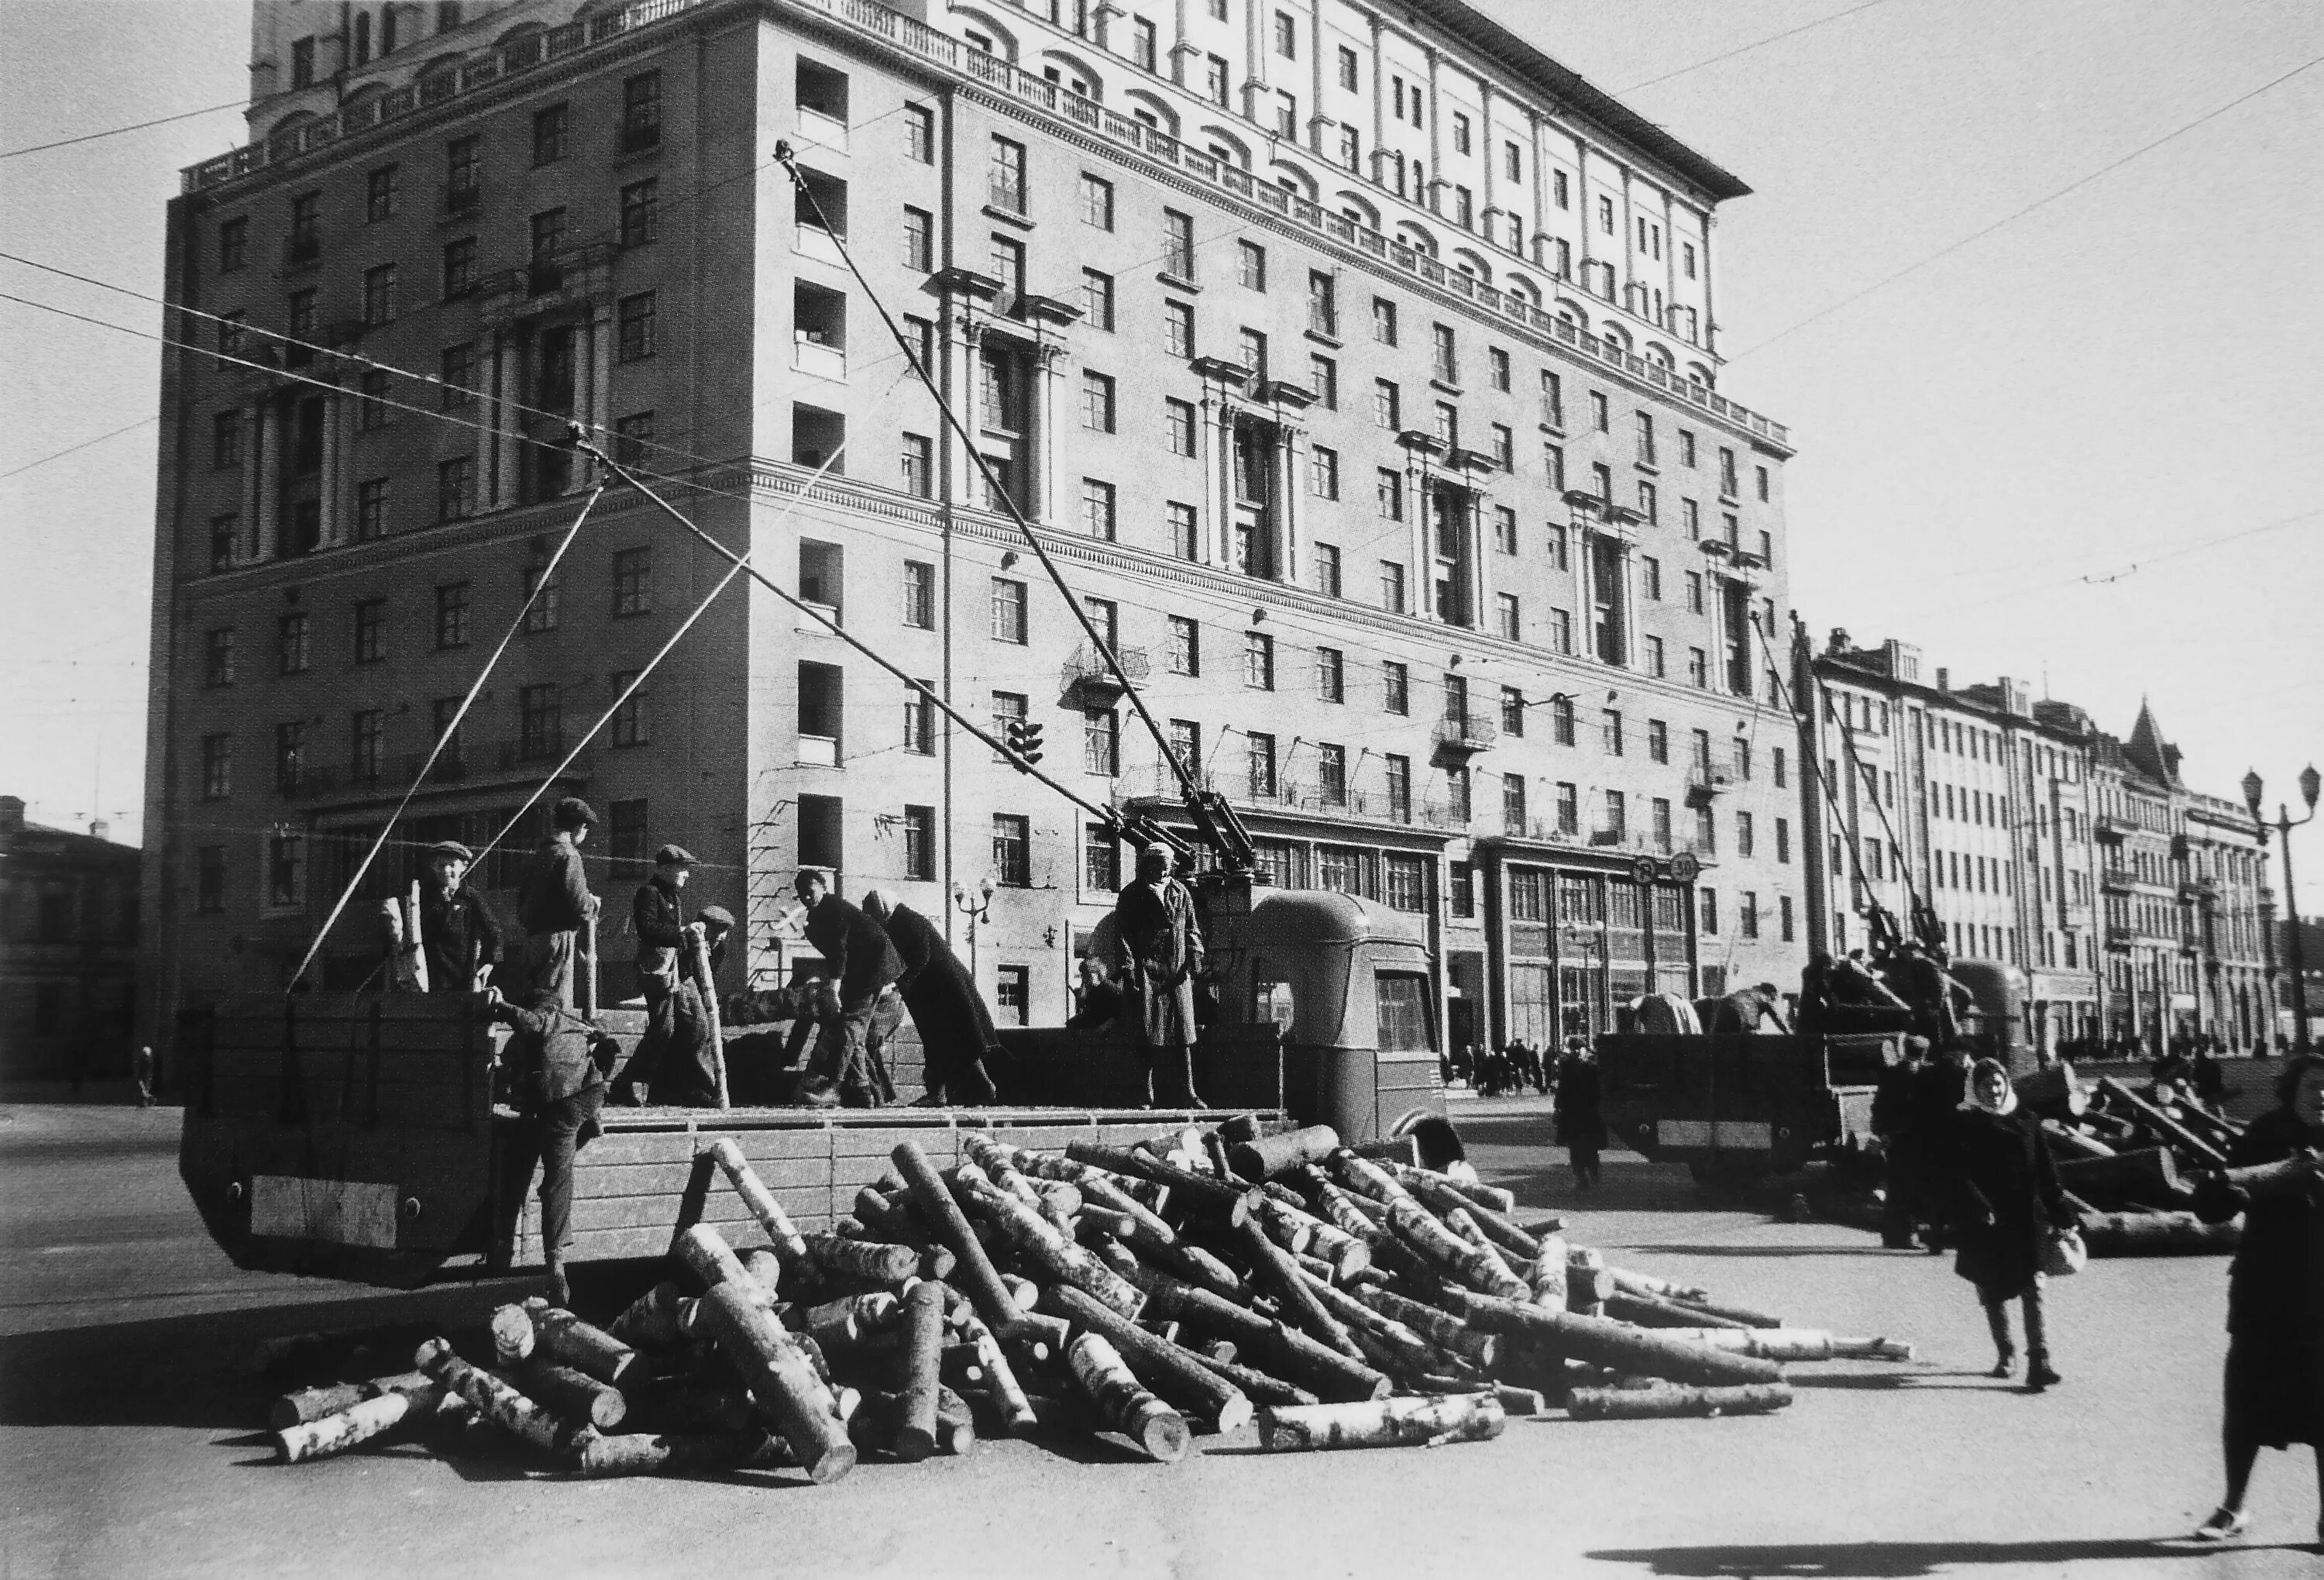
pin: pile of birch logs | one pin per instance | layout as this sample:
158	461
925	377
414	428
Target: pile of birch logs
2132	1164
1199	1283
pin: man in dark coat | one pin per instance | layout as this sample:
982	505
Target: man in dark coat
1748	1010
1894	1111
850	1064
459	937
557	1087
1581	1113
957	1042
1158	954
553	904
664	943
1939	1089
675	1059
1101	1001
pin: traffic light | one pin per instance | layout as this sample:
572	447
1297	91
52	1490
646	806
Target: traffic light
1026	736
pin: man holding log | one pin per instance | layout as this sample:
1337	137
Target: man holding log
554	904
557	1089
850	1063
677	1058
458	935
661	926
956	1036
1159	954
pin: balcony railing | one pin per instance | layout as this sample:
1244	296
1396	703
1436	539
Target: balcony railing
1466	735
819	357
1300	796
1092	683
825	131
497	64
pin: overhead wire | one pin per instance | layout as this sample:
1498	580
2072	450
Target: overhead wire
76	449
1789	33
234	104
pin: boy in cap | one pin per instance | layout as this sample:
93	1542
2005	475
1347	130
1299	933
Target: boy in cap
553	904
459	937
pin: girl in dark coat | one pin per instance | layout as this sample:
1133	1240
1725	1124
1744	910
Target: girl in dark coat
2009	1200
2275	1293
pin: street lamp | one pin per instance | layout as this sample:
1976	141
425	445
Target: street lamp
976	910
2308	786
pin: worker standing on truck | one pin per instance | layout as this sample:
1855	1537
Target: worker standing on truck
557	1089
1159	952
553	904
664	941
850	1064
1099	1000
957	1043
675	1059
458	935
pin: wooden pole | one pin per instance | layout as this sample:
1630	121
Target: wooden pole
1793	1343
2163	1124
492	1399
574	1394
1267	1157
697	960
917	1360
727	1153
1212	1197
1098	1186
1159	1431
1175	1373
1038	1239
650	1322
1640	1351
660	1454
702	1251
1279	1276
1449	1251
783	1381
1000	1385
876	1259
1382	1423
565	1339
361	1421
1642	1404
977	1276
1645	1311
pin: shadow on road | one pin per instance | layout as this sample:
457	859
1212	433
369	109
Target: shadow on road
1763	1253
1881	1560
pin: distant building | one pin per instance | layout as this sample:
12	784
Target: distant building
67	950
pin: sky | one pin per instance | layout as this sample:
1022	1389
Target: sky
2035	293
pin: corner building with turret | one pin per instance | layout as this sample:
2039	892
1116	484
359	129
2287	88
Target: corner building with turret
1359	365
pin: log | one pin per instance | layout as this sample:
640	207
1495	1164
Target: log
1364	1177
1280	1277
493	1400
691	1408
874	1261
1382	1423
2068	1144
1259	1387
1198	1193
1348	1254
1100	1188
1271	1157
781	1231
1545	1275
1038	1239
1195	1264
1637	1350
2052	1091
1661	1289
1159	1431
2199	1150
783	1383
1411	1351
1287	1227
1441	1328
1788	1344
513	1334
1473	1192
2284	1177
1645	1311
917	1376
977	1276
702	1251
1336	1206
1169	1369
2159	1234
564	1338
313	1404
1002	1389
847	1320
650	1321
1463	1223
1444	1250
1704	1307
1280	1348
596	1456
577	1396
361	1421
1443	1197
1624	1404
697	961
2148	1176
1588	1282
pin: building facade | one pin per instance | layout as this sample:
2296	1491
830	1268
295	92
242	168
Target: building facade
69	939
1357	364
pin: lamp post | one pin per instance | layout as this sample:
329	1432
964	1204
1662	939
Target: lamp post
2308	785
976	910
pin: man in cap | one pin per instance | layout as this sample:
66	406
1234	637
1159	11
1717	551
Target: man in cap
1753	1009
553	903
459	937
956	1036
558	1088
676	1060
1159	953
664	939
850	1064
1101	1001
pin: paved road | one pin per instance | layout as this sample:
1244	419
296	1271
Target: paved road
128	1448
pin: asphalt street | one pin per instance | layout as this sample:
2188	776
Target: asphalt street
128	1430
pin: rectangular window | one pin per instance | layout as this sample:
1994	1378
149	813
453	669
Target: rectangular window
1258	764
1178	329
290	756
1399	788
1186	534
1569	807
286	870
919	239
640	213
919	590
1383	321
1611	720
1331	774
1727	487
633	438
383	189
1391	585
1657	659
631	725
1097	299
1513	711
1506	616
1387	406
921	844
370	630
1707	909
1513	803
1178	245
1443	362
540	721
455	380
549	128
1145	44
1184	651
1004	183
233	243
919	723
1098	509
1324	471
1657	741
1457	804
642	112
1618	816
1258	660
218	767
1097	402
1012	850
1326	562
1216	77
632	581
1698	668
1552	466
1100	859
634	340
1561	630
1101	742
1331	675
1396	686
1250	266
1504	447
1009	611
456	488
217	666
1097	202
1496	368
210	880
543	599
1783	916
1179	420
1008	707
459	267
1746	834
919	134
1012	990
452	614
226	439
1388	495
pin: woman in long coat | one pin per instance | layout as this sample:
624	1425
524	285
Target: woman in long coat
2009	1202
1159	953
2276	1292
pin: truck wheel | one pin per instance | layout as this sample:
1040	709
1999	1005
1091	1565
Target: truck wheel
1433	1136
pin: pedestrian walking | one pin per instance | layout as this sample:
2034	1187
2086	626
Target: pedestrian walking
558	1090
1581	1116
1894	1111
958	1045
459	937
553	903
2275	1293
1159	954
2008	1204
850	1063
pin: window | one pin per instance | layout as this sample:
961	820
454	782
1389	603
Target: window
1606	215
1178	418
1097	299
1569	807
233	243
459	267
306	243
383	189
1761	474
1388	494
1561	630
1444	364
1698	668
1258	660
1101	742
919	589
1258	763
1391	584
1399	789
1746	834
1346	68
1178	245
1388	407
1004	172
543	599
1185	648
1331	675
1145	47
1694	592
1013	988
1726	489
1448	424
1331	773
1396	686
1657	741
634	339
640	213
1457	804
1250	266
1323	477
1185	535
371	404
455	377
1008	707
209	879
302	63
550	129
456	488
919	134
1008	611
286	866
1505	448
1215	78
540	721
1561	720
632	581
1097	402
1383	321
919	722
218	767
1690	514
1012	850
633	437
1657	661
1601	415
1178	329
290	756
1618	816
919	239
217	651
370	630
629	725
226	439
1784	908
1098	509
452	614
1513	803
1612	722
1707	908
1506	616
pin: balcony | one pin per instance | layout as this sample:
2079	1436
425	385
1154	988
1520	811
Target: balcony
2113	826
818	358
301	248
1089	683
818	750
462	199
812	241
1706	781
1465	737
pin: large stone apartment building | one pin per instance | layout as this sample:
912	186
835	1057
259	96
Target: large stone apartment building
1358	363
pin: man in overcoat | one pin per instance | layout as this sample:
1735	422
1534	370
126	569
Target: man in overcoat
1158	954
